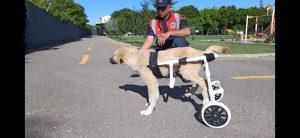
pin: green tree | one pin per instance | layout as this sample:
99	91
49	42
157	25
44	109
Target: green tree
146	15
124	19
66	11
112	27
69	12
129	21
206	21
189	12
39	3
210	22
196	24
227	17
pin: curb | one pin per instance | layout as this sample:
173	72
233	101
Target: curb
119	43
263	55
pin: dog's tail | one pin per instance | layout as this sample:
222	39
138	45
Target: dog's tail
216	49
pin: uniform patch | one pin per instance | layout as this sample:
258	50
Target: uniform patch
173	25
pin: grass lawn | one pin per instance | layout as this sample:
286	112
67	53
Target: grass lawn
202	42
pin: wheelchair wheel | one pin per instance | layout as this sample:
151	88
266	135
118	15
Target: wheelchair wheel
215	114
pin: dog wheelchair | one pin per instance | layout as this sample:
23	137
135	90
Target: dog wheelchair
214	113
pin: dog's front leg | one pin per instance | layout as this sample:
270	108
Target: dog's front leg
153	94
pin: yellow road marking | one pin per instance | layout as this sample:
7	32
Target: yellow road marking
253	77
84	59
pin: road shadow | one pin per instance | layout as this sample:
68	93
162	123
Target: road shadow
40	126
165	91
198	116
51	45
135	75
176	93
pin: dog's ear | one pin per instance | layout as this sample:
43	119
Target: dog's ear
121	61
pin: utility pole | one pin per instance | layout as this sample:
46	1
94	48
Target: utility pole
272	21
246	30
49	4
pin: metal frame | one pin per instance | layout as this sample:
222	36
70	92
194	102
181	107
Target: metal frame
206	70
211	92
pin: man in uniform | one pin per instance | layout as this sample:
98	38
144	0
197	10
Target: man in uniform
168	29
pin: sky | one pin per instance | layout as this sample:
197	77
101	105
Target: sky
94	9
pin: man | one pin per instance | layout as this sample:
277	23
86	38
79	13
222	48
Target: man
169	29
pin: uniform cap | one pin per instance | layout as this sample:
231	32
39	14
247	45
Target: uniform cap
162	3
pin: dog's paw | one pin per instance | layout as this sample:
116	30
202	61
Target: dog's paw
188	95
146	112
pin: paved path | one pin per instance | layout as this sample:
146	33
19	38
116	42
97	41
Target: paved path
64	98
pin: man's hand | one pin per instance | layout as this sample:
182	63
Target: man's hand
148	43
184	32
163	37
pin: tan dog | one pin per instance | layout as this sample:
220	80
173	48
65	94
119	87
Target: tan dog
138	60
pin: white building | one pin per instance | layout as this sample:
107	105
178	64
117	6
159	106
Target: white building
105	19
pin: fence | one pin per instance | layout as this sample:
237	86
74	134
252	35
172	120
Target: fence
44	30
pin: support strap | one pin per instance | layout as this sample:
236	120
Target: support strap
210	57
182	61
153	65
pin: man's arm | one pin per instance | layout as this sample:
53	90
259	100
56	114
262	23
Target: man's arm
184	32
150	39
148	43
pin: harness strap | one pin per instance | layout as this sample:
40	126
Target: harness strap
210	57
182	61
153	65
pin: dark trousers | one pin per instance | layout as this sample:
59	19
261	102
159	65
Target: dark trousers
173	43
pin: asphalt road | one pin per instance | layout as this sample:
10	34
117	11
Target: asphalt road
66	99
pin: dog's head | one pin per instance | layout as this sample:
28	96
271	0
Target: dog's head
118	56
121	54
